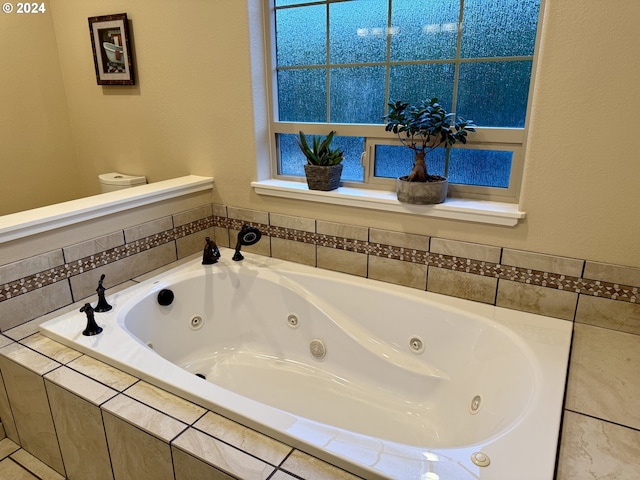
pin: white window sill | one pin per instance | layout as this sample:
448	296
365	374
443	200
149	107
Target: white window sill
481	211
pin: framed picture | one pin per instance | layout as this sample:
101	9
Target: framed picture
111	49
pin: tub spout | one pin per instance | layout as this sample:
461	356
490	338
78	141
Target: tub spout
211	252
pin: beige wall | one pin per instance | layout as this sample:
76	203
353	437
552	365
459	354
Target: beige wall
37	158
192	113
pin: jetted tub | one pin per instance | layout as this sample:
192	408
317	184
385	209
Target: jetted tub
382	380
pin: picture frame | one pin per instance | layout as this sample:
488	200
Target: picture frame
111	49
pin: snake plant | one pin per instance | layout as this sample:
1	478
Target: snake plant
319	152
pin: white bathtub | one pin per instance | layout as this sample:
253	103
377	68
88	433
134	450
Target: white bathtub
486	379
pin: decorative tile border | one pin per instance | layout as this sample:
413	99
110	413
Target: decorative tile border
584	286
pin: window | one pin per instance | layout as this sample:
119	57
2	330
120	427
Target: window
337	63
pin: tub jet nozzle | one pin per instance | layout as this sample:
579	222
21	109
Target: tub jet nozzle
247	235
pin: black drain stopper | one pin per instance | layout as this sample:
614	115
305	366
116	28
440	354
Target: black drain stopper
165	297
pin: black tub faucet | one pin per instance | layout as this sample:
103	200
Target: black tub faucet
211	252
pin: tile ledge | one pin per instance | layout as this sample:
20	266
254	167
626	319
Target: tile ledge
496	213
38	220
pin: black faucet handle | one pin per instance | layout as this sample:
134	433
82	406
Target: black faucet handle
92	327
102	305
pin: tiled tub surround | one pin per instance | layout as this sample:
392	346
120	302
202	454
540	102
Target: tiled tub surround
592	294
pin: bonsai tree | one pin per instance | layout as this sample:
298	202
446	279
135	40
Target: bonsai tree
423	128
319	152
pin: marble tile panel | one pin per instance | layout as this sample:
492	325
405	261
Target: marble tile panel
342	230
80	385
31	413
6	415
35	466
5	340
409	274
7	447
134	453
603	312
541	262
250	441
85	284
461	284
11	470
311	468
593	449
222	456
399	239
165	402
192	244
221	237
298	252
50	348
291	222
167	267
188	467
103	373
142	416
475	251
80	433
342	261
26	307
29	359
612	273
219	210
193	215
534	299
603	375
94	246
30	266
249	216
147	229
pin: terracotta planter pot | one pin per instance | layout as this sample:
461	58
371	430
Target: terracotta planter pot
421	193
323	177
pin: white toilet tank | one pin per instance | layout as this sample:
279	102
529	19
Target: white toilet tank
110	182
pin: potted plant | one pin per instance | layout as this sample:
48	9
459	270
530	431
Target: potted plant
422	128
324	164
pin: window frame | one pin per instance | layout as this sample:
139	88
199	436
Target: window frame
485	138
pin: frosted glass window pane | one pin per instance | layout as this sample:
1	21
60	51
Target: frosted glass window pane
498	28
358	31
301	35
302	95
489	168
397	161
357	94
284	3
412	83
494	94
292	160
424	30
